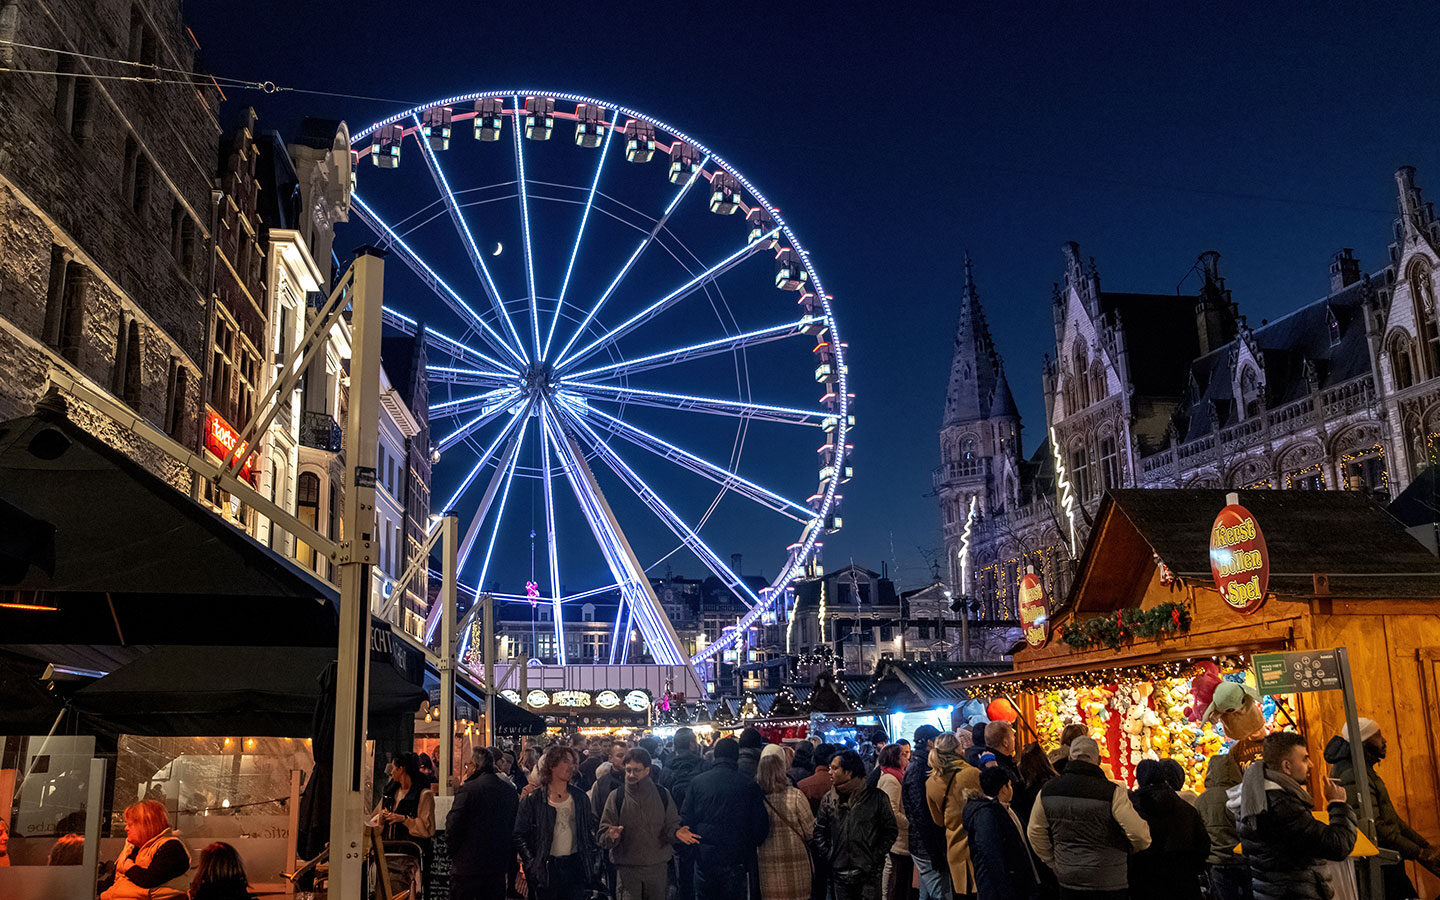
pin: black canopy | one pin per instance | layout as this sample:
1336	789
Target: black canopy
251	691
125	558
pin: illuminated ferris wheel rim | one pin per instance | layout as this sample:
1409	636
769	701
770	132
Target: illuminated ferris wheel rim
802	550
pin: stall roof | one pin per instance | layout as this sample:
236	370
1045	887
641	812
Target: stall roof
250	691
1365	552
925	685
128	559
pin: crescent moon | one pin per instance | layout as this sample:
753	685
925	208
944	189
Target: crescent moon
498	247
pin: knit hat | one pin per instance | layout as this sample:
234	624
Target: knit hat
1368	729
1085	749
992	780
752	739
773	750
925	734
1150	773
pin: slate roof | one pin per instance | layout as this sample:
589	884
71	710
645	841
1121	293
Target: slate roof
1419	503
1284	346
1342	534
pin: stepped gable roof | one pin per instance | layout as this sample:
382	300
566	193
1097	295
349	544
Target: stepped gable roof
1342	534
1284	346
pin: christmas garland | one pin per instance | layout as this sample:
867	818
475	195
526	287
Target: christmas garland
1126	625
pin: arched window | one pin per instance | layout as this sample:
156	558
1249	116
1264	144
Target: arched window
307	509
1250	392
587	612
1402	365
1080	366
1098	388
1422	295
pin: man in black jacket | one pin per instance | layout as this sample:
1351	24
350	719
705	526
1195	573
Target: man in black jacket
927	840
1003	868
1083	827
1283	843
1000	738
481	819
684	767
855	830
724	816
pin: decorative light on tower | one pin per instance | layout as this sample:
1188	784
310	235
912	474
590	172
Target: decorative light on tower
965	547
1062	486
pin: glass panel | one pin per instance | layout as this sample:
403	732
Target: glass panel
49	816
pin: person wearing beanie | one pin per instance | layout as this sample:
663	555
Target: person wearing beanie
977	744
751	743
1003	868
927	839
1391	831
1084	828
1174	863
724	817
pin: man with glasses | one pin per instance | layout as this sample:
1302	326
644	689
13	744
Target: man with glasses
639	828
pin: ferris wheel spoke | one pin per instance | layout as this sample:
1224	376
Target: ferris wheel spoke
485	459
468	377
636	590
477	261
524	195
669	300
737	409
392	241
625	269
552	545
579	235
676	355
487	415
465	404
665	514
700	466
403	323
513	458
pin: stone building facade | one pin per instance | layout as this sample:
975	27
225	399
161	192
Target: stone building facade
1181	390
105	215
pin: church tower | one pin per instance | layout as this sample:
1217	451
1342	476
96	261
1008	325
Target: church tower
979	435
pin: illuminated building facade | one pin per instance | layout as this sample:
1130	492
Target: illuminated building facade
1179	390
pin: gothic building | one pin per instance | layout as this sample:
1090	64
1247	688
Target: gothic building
105	216
1181	390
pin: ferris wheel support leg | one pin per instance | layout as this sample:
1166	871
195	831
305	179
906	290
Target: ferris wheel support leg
347	806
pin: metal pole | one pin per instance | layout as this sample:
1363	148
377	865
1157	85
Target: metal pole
1362	774
357	555
487	630
449	549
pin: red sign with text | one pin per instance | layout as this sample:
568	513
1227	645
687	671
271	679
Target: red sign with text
220	437
1238	559
1034	618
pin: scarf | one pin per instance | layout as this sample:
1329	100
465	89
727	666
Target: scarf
850	787
896	773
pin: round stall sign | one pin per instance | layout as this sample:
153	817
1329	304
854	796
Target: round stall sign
1238	559
537	698
1034	618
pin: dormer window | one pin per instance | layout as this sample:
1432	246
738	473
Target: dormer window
1334	324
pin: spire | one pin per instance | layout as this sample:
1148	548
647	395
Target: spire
975	370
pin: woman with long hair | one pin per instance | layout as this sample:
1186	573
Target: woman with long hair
951	777
220	875
154	864
1035	770
899	868
784	860
409	813
556	832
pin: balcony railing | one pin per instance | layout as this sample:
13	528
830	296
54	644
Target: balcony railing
320	431
959	470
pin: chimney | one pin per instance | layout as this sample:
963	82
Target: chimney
1344	270
1215	318
735	563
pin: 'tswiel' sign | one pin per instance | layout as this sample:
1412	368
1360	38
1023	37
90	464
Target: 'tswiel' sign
220	438
1238	558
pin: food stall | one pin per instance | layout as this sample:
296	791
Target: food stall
1302	570
912	694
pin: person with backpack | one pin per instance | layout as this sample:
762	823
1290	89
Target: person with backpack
638	827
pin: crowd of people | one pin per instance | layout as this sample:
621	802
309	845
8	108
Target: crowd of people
953	815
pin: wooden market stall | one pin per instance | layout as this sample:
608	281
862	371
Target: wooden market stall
1144	614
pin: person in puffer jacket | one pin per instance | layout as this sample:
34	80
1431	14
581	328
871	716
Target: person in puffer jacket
1226	871
1283	843
1391	831
1084	828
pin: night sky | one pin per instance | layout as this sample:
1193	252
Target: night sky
894	143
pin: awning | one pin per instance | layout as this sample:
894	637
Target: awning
125	558
510	720
250	691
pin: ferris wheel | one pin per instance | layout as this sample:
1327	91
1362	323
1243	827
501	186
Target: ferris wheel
617	300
